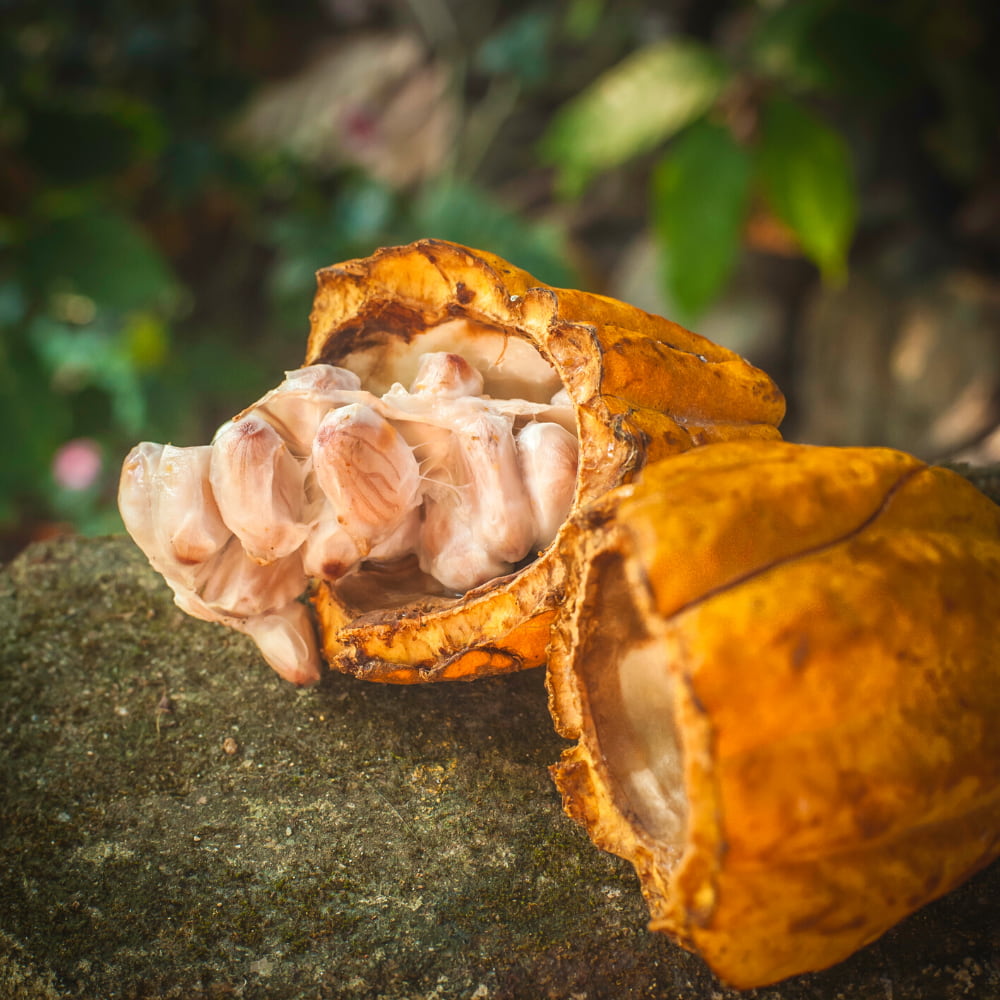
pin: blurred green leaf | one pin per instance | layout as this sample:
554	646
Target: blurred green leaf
12	304
362	212
36	422
470	216
206	383
637	104
186	164
700	191
582	18
805	169
144	121
520	48
101	254
147	341
77	359
352	224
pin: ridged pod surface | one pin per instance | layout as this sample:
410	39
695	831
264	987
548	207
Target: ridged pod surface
782	667
641	387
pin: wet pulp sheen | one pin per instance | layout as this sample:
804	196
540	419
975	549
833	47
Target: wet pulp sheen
322	478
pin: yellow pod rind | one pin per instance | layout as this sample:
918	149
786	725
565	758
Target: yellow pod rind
643	388
782	668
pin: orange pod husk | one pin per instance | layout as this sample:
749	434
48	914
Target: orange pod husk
781	665
641	388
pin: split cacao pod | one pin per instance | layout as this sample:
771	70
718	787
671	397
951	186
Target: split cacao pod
781	665
641	388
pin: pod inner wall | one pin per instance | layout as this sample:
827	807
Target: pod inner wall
630	693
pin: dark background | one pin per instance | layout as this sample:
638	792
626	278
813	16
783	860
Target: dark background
814	184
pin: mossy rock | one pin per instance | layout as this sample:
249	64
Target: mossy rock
178	822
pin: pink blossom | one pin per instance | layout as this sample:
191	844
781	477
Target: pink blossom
77	464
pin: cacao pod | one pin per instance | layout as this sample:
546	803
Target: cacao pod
412	478
781	665
640	386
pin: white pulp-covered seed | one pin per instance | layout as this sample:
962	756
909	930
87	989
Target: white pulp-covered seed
329	551
478	521
191	604
367	471
547	455
235	585
171	513
402	541
450	547
426	423
285	637
447	376
169	510
287	640
296	406
495	493
259	487
188	521
137	497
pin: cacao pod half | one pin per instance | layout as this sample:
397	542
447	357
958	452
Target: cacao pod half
640	388
782	667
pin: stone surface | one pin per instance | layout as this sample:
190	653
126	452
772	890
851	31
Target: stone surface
177	822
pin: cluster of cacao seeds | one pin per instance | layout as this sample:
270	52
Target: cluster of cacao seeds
320	476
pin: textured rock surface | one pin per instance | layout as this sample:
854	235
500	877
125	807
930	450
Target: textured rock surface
177	822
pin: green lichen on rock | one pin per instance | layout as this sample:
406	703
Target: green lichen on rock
178	822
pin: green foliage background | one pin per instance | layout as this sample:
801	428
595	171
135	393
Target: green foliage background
157	270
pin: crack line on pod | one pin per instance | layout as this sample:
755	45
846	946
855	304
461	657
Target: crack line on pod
805	553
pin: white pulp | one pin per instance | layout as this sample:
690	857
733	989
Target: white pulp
319	476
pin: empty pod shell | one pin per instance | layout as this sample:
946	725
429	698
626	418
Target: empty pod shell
781	668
